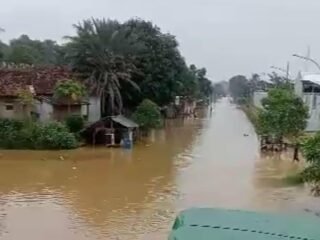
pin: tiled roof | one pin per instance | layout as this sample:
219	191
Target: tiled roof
42	79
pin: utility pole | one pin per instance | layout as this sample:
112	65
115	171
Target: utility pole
284	70
308	59
288	70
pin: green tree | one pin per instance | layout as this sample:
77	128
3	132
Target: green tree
75	123
102	51
280	81
239	88
219	90
147	115
24	50
26	100
69	90
311	152
3	49
160	66
283	115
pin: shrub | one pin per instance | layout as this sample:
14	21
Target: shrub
75	123
54	135
18	135
147	115
9	132
311	173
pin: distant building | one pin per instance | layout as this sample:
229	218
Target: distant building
261	91
307	86
41	82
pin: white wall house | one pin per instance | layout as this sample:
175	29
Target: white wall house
307	86
41	82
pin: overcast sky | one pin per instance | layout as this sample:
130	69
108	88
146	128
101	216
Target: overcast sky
228	37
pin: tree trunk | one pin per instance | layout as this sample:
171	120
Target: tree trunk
281	143
296	153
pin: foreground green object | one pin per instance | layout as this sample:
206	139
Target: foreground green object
219	224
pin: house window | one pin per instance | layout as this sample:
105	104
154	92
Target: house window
9	107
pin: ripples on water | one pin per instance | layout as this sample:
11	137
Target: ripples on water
117	194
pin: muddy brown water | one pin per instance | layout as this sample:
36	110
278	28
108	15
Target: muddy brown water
91	194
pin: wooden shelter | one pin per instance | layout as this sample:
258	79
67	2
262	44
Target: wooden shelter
111	131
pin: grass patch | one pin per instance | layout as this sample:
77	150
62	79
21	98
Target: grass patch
293	179
252	114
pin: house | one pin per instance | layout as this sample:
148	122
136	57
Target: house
307	86
40	82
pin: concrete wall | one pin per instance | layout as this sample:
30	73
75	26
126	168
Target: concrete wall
312	101
94	109
298	88
11	108
45	111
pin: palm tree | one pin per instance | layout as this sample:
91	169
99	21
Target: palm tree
103	53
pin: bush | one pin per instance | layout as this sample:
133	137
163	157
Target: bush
9	132
147	115
18	135
75	123
54	135
294	179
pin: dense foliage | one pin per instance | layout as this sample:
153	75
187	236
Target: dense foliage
75	123
220	89
70	89
18	135
26	100
283	114
147	115
239	88
9	133
311	152
103	53
123	63
24	50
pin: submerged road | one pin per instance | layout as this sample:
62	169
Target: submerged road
103	193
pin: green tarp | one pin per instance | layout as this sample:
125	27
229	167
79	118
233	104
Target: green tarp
219	224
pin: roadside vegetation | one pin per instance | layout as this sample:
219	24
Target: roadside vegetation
281	118
311	152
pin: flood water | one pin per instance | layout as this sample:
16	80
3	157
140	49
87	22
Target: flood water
91	194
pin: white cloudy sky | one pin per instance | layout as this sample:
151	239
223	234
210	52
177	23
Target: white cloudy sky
227	37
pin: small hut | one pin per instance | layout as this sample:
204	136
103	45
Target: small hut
111	131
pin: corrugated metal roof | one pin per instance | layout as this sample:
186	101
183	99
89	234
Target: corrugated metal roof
126	122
